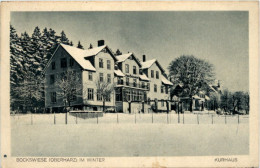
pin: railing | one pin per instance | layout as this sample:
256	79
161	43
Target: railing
136	85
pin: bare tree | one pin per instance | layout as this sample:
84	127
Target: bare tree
69	87
104	90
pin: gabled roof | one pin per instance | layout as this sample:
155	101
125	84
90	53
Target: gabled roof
148	64
123	57
144	77
210	86
119	73
166	81
73	51
79	55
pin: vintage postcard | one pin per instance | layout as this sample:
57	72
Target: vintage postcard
129	84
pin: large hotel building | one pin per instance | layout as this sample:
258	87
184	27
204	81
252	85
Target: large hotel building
139	85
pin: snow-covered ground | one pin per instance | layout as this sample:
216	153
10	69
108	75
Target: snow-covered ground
121	118
149	136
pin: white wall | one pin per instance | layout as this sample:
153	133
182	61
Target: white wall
92	84
157	95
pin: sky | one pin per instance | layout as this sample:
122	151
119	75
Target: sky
220	38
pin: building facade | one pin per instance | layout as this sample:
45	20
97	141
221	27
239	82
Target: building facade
136	89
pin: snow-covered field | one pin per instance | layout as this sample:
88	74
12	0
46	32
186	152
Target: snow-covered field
149	136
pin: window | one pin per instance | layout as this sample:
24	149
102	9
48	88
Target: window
152	74
99	97
128	93
134	83
119	94
140	71
134	69
53	66
134	95
108	64
120	81
162	103
143	85
148	86
108	78
127	81
101	77
166	89
162	88
100	63
157	74
90	76
53	97
149	101
108	98
126	68
90	94
71	62
52	79
155	88
63	63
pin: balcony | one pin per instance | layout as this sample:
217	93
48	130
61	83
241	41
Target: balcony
133	85
120	82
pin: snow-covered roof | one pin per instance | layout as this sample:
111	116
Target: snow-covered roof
210	86
148	64
144	77
119	73
78	55
83	53
123	57
166	81
94	51
206	97
196	97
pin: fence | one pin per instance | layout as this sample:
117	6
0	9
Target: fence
135	118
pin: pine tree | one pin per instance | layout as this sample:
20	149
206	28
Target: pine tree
52	43
80	46
63	38
71	43
90	46
37	52
16	67
118	52
46	49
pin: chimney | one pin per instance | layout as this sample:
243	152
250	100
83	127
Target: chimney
144	58
101	43
219	83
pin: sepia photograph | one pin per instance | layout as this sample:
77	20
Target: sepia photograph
97	84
